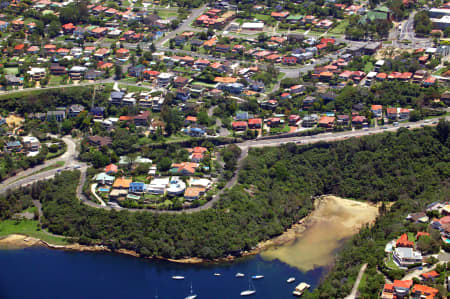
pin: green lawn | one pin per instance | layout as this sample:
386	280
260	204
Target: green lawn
368	67
262	17
340	28
165	14
11	71
54	80
28	228
362	283
390	262
411	237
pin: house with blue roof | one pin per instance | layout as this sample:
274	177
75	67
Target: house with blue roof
13	146
195	132
137	187
116	97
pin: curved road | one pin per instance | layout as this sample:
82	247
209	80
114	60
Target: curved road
70	158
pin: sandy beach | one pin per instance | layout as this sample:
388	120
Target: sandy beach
313	242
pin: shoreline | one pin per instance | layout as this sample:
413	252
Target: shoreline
16	241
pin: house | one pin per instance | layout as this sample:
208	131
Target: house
97	112
254	123
122	183
391	113
273	122
423	291
104	179
116	97
326	122
398	289
193	193
99	140
309	121
111	169
297	89
56	69
289	60
280	15
57	115
37	73
31	144
429	275
180	81
195	132
136	187
13	80
343	119
75	109
377	110
13	146
122	53
294	119
158	185
358	120
404	242
184	168
405	256
223	48
164	79
404	113
239	125
419	217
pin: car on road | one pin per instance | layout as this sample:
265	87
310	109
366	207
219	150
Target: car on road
76	166
384	128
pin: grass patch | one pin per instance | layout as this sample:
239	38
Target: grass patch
29	228
390	262
368	67
411	237
340	28
11	71
210	85
165	14
262	17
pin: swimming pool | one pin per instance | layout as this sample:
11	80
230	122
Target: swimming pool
103	189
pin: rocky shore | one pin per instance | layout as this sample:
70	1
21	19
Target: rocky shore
20	241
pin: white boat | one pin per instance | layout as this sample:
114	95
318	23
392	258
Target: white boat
290	280
248	292
217	274
301	288
257	276
192	295
251	290
238	275
177	277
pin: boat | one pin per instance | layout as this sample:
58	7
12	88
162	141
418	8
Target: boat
177	277
217	274
238	275
257	277
251	290
290	280
192	295
301	288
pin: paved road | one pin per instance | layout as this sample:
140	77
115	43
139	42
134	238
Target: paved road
245	146
26	177
356	285
185	26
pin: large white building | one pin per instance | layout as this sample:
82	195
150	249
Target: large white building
158	185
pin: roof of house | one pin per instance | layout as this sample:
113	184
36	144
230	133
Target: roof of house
254	121
377	107
425	290
122	183
431	274
193	191
326	119
404	242
239	124
111	168
403	284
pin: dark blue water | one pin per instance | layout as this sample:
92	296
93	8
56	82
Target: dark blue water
44	273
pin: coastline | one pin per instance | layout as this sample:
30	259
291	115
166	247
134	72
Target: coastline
16	241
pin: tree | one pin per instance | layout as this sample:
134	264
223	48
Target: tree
118	72
54	29
164	164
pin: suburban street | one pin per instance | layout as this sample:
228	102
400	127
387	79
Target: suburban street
27	177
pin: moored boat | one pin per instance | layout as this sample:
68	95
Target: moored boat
177	277
300	289
290	280
251	289
238	275
192	295
217	274
257	276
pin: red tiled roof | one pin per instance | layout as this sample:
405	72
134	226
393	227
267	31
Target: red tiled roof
255	121
377	107
425	290
431	274
403	284
404	242
239	124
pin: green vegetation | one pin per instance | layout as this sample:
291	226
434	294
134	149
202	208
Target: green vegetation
409	168
29	228
340	28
